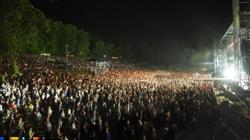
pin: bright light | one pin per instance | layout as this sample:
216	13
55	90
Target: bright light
244	85
229	72
245	88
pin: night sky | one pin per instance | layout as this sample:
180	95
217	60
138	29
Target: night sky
193	21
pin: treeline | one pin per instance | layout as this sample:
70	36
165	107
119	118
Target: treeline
25	30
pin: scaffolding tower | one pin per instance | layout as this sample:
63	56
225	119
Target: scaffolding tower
232	51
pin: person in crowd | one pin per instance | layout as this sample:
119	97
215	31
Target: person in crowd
123	103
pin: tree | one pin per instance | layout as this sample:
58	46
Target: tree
10	24
25	29
82	44
99	49
108	49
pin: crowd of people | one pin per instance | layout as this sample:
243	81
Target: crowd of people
117	105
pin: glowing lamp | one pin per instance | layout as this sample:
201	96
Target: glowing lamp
229	72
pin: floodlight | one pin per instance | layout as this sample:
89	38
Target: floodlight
229	72
245	87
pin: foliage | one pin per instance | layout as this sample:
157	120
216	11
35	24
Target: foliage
15	69
82	44
2	79
108	49
24	29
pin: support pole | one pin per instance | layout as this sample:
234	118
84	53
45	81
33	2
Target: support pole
236	34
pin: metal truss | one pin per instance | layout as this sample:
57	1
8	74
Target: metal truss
238	36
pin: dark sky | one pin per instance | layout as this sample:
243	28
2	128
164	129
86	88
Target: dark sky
197	21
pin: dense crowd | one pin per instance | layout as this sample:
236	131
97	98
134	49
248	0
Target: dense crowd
116	105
